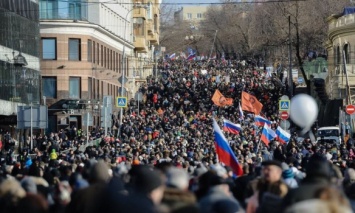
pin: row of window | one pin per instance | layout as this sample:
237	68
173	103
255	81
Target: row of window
95	88
96	53
338	54
198	15
63	9
112	21
25	8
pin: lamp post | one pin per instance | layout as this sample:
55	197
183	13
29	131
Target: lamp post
124	61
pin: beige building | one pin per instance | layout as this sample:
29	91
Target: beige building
82	50
192	14
146	30
340	45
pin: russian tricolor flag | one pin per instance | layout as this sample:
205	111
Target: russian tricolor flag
191	56
261	121
282	135
172	56
267	135
228	126
224	151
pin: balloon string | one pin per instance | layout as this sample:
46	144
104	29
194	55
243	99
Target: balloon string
310	133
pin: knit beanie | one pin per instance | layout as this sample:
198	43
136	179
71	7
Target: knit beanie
53	155
29	185
28	162
144	179
288	173
99	172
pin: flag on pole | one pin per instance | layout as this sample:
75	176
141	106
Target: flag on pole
282	135
219	100
251	104
241	113
261	121
191	56
229	126
172	56
267	135
224	151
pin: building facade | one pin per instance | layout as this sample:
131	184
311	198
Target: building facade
81	52
146	31
340	45
85	48
192	14
19	59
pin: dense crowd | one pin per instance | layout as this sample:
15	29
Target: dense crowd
164	158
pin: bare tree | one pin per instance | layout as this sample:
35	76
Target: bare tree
308	25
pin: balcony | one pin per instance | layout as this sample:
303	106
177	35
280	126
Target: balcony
140	44
336	23
153	38
150	27
140	13
156	10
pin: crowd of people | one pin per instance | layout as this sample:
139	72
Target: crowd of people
164	158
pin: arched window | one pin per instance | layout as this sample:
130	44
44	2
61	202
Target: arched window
338	56
347	53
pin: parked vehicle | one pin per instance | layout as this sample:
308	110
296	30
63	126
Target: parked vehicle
329	134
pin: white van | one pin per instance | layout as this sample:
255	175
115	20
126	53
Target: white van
329	134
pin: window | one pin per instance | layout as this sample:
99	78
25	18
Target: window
49	48
98	53
63	9
74	87
89	50
156	23
114	61
338	56
102	55
105	57
149	11
74	49
189	16
93	52
138	26
111	60
90	88
199	15
117	62
48	9
49	86
347	53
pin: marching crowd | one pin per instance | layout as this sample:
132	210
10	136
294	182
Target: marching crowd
164	158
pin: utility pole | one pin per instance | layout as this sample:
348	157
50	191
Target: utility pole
290	80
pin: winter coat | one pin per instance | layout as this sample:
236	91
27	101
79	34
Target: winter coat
176	199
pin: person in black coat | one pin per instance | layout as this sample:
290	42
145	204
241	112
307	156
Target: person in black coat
318	176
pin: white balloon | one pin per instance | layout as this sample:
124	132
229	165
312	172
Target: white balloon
303	110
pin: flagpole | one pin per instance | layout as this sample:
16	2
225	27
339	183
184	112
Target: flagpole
214	40
257	148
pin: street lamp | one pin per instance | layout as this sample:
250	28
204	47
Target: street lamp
124	61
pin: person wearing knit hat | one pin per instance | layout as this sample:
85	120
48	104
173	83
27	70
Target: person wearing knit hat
28	162
147	189
318	176
53	155
288	176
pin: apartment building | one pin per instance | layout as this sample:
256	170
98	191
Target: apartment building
192	14
81	50
146	30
